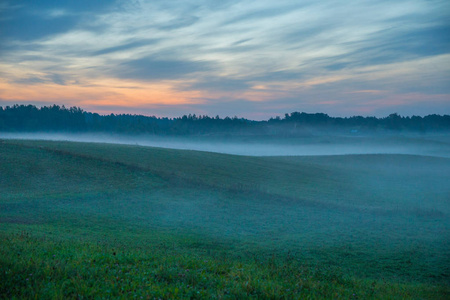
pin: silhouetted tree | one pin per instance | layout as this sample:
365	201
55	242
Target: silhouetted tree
74	119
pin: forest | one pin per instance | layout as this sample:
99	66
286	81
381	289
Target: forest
55	118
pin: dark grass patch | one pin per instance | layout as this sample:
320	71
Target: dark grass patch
51	268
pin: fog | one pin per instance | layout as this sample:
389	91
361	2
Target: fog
371	214
430	145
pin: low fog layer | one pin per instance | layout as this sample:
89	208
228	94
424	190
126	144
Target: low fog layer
432	145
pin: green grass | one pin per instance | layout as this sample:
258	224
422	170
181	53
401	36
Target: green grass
100	220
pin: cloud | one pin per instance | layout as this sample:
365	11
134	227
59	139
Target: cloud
396	46
243	56
264	12
32	20
149	68
127	46
24	26
57	78
48	78
214	84
181	22
30	80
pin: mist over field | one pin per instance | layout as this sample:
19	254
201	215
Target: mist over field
365	223
324	144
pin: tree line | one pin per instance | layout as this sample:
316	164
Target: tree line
55	118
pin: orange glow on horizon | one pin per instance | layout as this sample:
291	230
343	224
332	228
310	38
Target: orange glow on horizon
104	92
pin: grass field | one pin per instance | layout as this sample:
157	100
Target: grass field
89	220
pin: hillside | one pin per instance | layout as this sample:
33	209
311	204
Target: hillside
338	218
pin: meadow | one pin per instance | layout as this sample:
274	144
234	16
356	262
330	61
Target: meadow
98	220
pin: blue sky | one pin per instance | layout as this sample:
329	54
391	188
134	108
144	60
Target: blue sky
253	59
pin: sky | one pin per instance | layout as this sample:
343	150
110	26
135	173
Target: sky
252	59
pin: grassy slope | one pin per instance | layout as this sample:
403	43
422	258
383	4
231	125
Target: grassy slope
242	225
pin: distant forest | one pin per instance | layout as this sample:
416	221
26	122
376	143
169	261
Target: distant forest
55	118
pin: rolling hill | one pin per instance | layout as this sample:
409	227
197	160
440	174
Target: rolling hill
203	224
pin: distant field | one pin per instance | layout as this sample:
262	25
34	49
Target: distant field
313	143
108	220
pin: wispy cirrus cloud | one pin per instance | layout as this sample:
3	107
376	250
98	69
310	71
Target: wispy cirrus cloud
259	55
